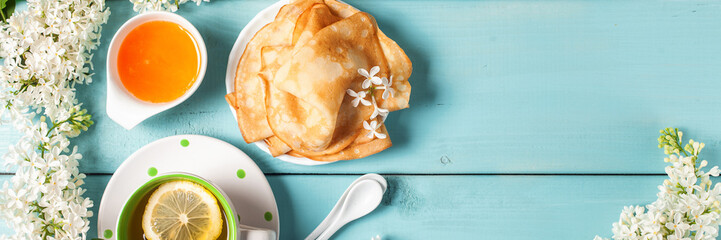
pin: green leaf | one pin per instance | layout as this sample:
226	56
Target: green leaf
7	7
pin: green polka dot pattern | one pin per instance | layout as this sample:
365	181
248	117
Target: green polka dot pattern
107	233
152	171
268	216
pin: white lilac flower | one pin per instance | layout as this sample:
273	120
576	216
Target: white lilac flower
370	76
704	225
160	5
678	225
714	171
377	111
688	202
15	198
387	87
372	127
692	204
651	224
622	231
47	49
674	237
359	97
379	114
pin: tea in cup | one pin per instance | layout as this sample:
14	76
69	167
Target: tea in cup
183	206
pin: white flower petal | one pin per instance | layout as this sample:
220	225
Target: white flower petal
366	125
351	93
366	83
365	102
375	70
386	93
380	135
363	72
370	134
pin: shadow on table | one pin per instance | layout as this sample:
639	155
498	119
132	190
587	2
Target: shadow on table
285	208
421	86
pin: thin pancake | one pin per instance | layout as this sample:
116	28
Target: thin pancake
358	149
285	110
270	62
300	66
311	21
249	104
349	119
319	76
276	147
399	63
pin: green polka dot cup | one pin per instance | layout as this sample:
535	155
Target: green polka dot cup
129	226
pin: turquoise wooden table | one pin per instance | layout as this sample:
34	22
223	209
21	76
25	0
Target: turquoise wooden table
528	119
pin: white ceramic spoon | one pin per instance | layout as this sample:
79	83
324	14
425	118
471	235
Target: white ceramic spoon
361	198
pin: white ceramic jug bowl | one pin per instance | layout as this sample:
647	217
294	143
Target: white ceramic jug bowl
121	106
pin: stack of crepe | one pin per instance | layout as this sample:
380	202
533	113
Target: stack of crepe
292	81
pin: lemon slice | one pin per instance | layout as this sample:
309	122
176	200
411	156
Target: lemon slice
182	210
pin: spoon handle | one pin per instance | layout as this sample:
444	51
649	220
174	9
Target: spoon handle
326	222
330	231
333	215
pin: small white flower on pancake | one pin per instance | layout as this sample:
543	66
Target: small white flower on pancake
370	76
359	97
387	87
373	128
377	111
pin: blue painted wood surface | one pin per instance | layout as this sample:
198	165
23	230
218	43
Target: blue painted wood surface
498	87
456	207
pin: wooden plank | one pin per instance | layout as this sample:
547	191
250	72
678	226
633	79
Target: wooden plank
499	86
457	207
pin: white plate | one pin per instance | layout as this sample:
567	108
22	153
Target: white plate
207	157
264	17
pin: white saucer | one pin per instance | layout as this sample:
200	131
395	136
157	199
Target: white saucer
210	158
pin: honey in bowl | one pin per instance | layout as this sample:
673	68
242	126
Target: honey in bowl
158	61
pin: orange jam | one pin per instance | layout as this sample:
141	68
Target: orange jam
158	61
